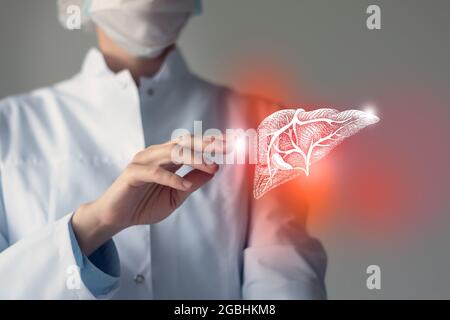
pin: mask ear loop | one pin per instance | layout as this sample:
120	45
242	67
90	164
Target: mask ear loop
86	8
198	7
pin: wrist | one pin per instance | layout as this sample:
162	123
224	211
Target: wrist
90	229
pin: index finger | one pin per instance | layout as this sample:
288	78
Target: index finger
204	144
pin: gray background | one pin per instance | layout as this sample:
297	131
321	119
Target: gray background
385	202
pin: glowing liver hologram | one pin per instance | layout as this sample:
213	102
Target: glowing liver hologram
291	140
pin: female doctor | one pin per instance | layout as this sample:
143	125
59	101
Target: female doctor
91	205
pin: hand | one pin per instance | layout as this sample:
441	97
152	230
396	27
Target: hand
148	190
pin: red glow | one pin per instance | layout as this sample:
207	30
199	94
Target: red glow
263	77
385	181
379	194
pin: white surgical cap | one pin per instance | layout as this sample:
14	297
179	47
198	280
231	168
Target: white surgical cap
66	8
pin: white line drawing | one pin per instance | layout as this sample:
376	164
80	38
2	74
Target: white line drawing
291	140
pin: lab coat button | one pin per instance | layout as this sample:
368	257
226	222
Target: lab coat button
139	279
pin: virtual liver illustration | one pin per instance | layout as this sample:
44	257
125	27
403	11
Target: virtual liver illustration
291	140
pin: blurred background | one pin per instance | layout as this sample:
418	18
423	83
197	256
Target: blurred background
381	198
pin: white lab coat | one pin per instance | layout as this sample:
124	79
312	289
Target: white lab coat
63	145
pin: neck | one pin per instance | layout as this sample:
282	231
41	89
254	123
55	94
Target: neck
118	59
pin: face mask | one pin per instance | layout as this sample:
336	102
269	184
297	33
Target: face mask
143	28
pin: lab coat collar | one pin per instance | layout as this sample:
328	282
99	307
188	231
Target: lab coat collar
173	68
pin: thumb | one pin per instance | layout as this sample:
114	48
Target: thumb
198	179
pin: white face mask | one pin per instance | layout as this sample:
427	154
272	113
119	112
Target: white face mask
143	28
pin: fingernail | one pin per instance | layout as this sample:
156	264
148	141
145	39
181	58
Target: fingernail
187	184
